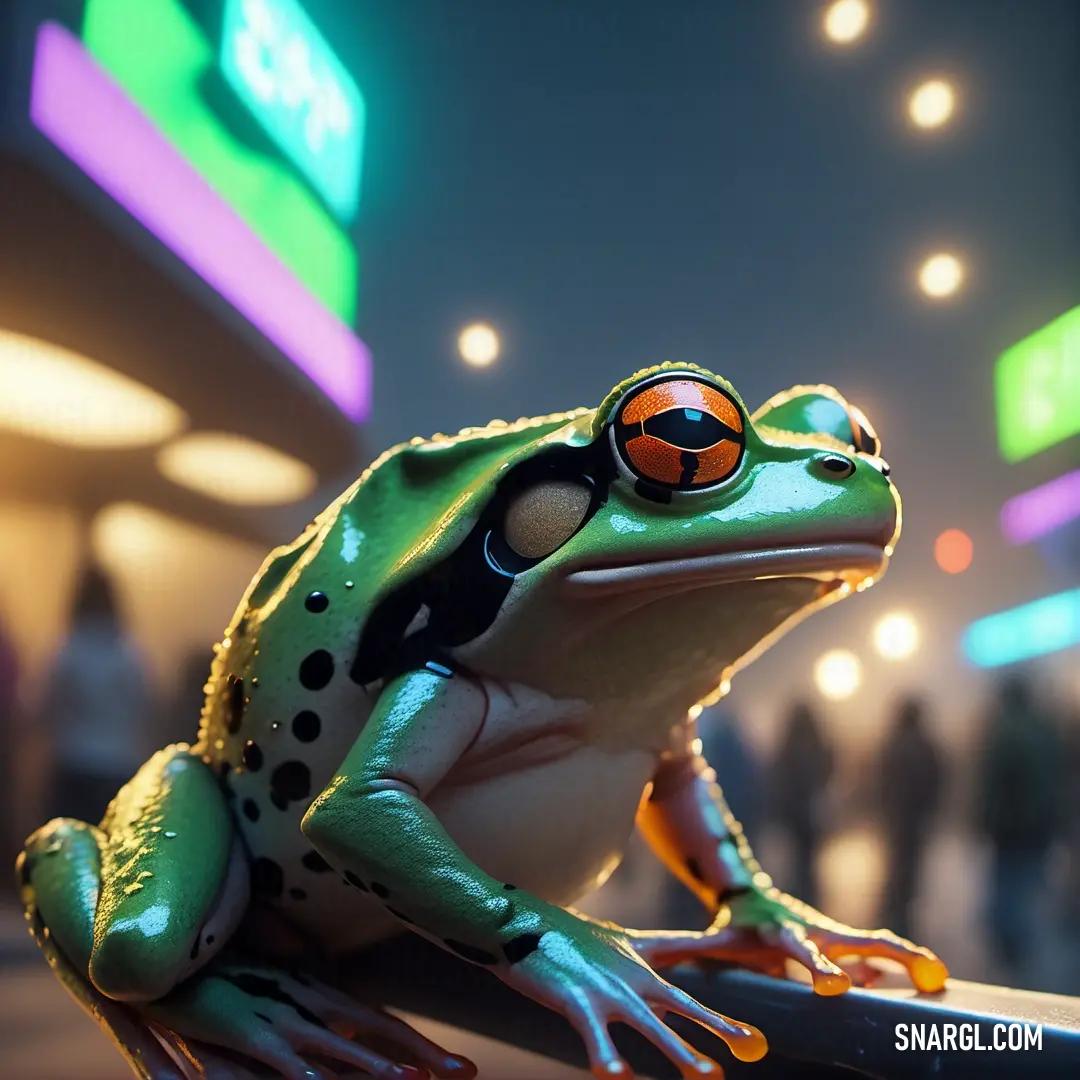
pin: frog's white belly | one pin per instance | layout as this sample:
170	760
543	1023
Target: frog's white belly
555	829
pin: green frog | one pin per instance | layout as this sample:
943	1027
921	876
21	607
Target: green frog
444	708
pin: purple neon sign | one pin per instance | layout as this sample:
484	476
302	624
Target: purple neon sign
90	118
1040	511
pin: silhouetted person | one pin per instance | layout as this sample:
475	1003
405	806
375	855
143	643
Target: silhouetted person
911	776
801	772
739	774
1071	898
96	703
1021	806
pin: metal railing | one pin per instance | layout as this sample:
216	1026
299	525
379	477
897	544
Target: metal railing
810	1037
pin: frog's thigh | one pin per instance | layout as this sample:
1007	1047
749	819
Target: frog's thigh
174	881
59	876
145	900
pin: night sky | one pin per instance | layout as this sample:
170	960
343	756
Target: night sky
613	183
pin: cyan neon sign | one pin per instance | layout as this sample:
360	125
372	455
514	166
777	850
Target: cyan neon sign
283	70
1042	626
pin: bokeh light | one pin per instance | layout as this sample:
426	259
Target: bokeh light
56	394
953	551
941	275
478	345
837	674
932	103
235	470
896	636
846	21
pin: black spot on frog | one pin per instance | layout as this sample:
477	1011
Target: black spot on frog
306	726
289	782
316	670
252	756
267	878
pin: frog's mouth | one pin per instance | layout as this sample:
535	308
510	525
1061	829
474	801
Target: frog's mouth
835	565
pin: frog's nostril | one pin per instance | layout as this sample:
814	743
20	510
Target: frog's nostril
835	465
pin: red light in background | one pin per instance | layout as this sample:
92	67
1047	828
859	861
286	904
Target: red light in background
953	551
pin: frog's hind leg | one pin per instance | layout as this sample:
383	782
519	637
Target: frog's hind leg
59	878
130	916
126	911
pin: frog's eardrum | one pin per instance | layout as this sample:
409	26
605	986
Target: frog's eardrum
542	518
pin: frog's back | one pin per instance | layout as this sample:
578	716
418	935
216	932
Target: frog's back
291	684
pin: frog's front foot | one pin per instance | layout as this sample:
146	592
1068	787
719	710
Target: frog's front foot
765	928
296	1025
593	977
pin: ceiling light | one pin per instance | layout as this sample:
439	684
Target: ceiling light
56	394
235	470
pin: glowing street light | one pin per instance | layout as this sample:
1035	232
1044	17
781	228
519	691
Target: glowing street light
478	345
846	21
941	275
932	103
837	674
953	551
896	636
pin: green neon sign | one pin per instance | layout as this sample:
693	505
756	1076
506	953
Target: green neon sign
280	66
161	57
1037	389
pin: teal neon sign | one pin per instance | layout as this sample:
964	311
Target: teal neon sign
1037	389
283	70
1042	626
160	55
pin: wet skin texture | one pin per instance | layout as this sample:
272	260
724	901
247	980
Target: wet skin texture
444	708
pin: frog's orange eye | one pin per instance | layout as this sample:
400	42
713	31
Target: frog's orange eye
681	433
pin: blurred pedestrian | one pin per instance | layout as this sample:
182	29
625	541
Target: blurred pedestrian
1021	792
96	704
739	774
801	772
1071	897
910	781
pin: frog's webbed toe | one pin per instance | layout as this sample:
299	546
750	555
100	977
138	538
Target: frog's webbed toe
301	1028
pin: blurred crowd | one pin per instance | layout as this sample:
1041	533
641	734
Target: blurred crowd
1015	796
95	717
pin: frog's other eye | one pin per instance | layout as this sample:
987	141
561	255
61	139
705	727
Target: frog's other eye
680	433
863	436
540	519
